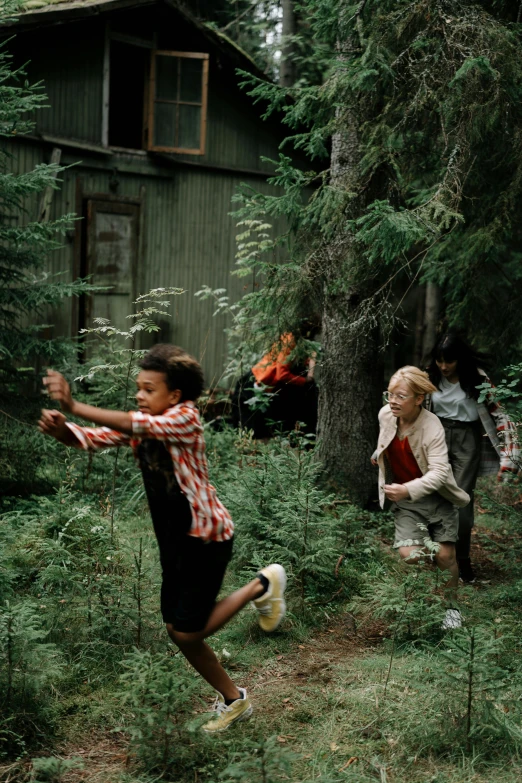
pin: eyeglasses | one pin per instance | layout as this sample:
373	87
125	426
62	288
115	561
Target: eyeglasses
399	397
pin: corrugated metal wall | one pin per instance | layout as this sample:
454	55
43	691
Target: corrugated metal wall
69	61
189	242
189	237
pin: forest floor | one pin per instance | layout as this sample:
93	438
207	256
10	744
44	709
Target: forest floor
332	697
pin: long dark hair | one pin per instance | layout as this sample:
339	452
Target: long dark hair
450	348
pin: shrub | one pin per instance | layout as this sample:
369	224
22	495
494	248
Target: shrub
29	670
283	516
159	690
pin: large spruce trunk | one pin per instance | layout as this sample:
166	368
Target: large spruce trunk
287	68
351	371
349	399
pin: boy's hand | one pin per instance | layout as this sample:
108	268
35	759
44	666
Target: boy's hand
58	389
53	423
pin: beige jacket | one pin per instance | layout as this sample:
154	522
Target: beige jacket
428	444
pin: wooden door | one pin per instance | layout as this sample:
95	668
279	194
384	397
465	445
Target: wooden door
112	260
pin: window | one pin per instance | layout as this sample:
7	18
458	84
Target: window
177	102
157	100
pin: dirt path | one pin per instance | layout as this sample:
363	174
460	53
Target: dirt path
272	685
277	686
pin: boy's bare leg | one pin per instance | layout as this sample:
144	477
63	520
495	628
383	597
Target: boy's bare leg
205	662
200	655
225	609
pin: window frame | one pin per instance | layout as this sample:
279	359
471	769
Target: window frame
152	101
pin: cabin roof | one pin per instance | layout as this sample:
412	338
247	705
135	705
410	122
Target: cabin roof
37	12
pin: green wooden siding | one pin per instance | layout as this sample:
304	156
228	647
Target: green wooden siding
188	236
71	67
189	241
69	60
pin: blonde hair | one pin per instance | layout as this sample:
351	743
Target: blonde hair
416	379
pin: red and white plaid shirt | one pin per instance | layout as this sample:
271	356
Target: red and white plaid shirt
181	431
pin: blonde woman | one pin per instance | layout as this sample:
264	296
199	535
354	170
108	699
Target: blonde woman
415	476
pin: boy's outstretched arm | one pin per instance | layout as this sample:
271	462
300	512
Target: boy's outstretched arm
59	390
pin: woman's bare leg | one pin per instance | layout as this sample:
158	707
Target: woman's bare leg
447	561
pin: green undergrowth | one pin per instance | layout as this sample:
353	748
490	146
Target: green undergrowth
359	683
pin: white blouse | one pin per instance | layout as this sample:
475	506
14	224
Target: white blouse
452	402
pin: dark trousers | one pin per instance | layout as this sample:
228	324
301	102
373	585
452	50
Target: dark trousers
464	446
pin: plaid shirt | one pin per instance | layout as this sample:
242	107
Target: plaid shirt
500	452
181	431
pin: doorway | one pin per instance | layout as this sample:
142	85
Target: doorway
110	259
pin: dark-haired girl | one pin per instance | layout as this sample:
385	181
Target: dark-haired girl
456	373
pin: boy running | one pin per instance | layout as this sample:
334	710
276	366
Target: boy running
193	529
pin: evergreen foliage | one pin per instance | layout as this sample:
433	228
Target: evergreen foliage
256	26
282	516
480	670
111	369
334	689
158	690
26	290
252	25
432	93
28	293
29	668
409	604
266	762
52	770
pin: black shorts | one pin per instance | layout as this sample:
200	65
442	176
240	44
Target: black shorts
193	570
192	578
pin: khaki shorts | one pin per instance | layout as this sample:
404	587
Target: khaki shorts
432	518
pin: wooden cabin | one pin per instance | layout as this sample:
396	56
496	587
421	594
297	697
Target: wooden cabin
145	107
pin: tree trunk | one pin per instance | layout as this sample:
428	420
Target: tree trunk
349	401
419	326
351	372
431	319
287	70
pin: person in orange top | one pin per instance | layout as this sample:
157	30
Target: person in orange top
274	369
291	393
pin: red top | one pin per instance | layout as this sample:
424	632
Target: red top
402	462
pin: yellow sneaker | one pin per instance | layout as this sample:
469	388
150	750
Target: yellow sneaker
240	709
271	606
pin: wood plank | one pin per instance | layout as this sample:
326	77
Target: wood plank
186	55
47	197
132	40
77	255
204	98
151	96
66	142
106	85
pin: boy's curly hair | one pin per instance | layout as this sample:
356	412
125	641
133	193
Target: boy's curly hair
182	370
